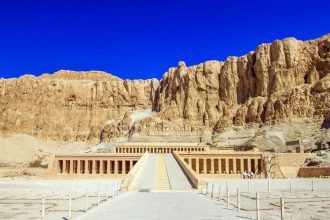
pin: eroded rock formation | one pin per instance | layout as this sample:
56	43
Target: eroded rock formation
69	105
279	82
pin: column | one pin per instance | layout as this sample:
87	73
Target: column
130	165
71	166
249	165
101	166
189	162
123	166
234	166
219	165
227	165
64	166
212	165
93	167
108	167
197	165
204	166
86	167
78	167
116	167
242	165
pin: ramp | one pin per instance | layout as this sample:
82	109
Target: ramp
160	172
178	179
162	179
146	176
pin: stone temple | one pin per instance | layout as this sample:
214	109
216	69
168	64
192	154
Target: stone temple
174	166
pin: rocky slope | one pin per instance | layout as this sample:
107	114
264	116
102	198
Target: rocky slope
280	81
70	105
285	81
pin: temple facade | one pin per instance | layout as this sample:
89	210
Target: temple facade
196	160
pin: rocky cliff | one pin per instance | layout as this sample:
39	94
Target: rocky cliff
287	80
70	105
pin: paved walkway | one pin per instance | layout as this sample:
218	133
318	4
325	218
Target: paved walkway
162	205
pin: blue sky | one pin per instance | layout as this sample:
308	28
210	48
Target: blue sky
142	39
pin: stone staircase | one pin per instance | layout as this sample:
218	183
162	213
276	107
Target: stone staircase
162	181
160	172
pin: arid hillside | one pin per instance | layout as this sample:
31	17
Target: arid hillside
287	81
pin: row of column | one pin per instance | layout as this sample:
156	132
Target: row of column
157	149
224	165
91	166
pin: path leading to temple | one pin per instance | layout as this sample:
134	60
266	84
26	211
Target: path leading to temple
161	172
162	181
163	205
178	179
146	176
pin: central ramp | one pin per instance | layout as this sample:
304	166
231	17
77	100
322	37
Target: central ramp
178	179
162	181
160	172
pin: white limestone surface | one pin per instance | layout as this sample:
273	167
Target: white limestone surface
22	198
162	205
304	198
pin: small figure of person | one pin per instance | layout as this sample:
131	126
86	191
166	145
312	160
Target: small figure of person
244	174
251	175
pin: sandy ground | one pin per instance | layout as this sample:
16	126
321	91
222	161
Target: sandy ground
21	149
21	198
26	172
300	203
273	136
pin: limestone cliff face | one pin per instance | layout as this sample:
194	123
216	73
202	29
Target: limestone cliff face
69	105
279	82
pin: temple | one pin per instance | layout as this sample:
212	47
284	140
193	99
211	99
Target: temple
195	161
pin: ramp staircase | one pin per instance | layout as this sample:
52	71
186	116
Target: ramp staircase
162	181
160	172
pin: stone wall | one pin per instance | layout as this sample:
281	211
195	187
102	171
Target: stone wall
289	164
314	172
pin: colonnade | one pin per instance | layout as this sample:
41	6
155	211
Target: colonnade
158	149
95	166
224	165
